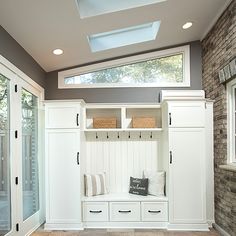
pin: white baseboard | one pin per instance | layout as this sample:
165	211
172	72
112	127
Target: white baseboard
59	226
188	227
220	230
125	225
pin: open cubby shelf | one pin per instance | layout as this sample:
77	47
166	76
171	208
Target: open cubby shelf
124	115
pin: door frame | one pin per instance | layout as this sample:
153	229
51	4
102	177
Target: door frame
19	78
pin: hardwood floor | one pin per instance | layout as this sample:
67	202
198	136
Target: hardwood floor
41	232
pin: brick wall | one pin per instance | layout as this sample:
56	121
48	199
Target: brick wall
218	48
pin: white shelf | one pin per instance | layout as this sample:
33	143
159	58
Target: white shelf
124	197
125	130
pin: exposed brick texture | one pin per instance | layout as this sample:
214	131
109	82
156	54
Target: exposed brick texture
218	48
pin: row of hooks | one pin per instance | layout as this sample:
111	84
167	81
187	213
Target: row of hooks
118	135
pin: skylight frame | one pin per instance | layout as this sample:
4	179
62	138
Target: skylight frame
110	6
185	50
124	37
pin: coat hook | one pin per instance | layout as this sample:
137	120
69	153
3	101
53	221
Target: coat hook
118	136
96	135
140	136
107	135
151	135
129	135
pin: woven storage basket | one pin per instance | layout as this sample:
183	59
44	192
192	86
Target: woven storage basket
143	122
104	122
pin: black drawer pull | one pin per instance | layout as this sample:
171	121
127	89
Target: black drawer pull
154	211
77	158
77	119
125	211
95	211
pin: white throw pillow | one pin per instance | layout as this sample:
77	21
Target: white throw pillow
95	184
156	182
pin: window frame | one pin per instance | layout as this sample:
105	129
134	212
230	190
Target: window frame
231	131
185	50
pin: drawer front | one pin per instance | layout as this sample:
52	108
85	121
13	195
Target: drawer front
154	211
95	211
124	211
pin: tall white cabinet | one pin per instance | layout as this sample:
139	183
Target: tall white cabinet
186	133
63	150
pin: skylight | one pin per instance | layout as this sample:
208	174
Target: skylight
89	8
123	37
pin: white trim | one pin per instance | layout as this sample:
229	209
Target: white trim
231	122
128	60
216	17
63	226
188	227
125	225
22	75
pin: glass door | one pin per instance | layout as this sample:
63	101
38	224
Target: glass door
29	165
21	208
30	177
5	168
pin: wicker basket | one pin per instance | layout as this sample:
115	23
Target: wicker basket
143	122
104	122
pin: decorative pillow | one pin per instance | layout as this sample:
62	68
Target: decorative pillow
156	184
138	186
95	184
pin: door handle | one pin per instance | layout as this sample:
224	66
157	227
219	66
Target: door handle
170	157
77	119
78	158
170	120
125	211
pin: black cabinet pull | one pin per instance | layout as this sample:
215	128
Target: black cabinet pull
154	211
170	121
95	211
125	211
170	157
78	158
77	119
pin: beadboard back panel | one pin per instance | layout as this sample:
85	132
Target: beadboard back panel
122	155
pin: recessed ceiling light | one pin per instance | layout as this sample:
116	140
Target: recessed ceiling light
58	51
187	25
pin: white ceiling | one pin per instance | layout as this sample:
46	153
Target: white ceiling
40	26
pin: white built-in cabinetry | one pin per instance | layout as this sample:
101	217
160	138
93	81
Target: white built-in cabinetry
186	166
63	150
180	145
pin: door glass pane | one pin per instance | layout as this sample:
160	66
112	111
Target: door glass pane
5	184
30	154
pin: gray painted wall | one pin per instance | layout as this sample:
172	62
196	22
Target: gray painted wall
17	55
124	95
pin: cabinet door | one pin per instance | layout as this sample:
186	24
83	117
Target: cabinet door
62	116
187	176
186	114
63	204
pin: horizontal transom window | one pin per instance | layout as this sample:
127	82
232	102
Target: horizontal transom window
167	68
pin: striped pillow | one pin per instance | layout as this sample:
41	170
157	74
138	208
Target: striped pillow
95	184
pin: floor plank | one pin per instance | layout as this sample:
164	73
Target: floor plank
41	232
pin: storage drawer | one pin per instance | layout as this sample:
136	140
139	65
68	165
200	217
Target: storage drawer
154	211
95	211
124	211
